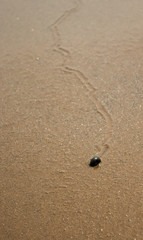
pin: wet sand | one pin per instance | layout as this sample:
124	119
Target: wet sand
71	77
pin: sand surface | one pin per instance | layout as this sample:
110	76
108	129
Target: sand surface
71	87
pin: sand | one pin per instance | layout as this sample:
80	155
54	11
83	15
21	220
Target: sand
71	75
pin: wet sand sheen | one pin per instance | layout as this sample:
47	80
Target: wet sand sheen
59	109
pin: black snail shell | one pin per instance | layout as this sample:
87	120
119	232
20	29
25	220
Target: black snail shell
94	161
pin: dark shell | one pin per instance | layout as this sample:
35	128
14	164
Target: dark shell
94	161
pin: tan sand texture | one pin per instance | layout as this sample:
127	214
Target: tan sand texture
71	87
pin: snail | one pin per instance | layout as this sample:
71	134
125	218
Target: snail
94	162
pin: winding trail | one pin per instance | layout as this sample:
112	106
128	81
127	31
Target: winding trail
89	88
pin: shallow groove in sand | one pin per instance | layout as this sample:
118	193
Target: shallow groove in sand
84	81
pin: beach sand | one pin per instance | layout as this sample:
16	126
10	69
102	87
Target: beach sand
71	76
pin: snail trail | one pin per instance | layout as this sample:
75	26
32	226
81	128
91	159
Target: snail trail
89	88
